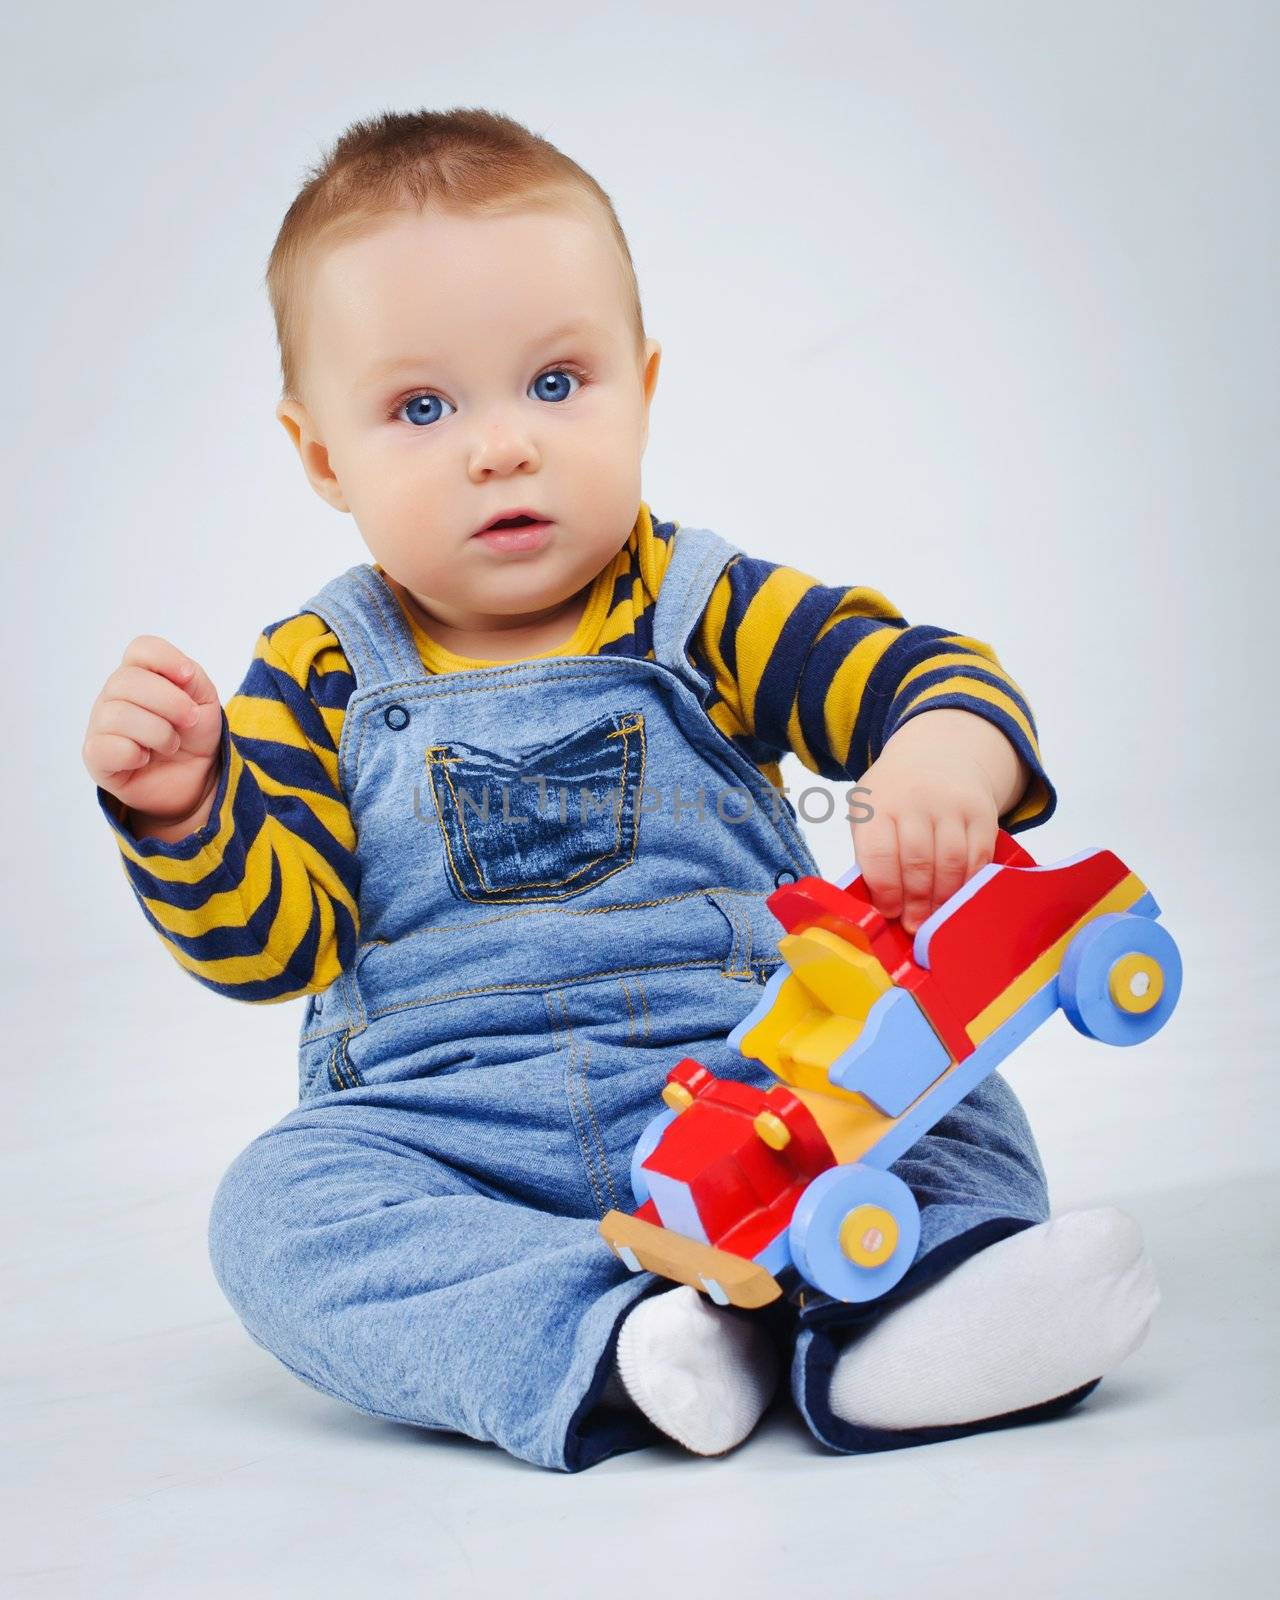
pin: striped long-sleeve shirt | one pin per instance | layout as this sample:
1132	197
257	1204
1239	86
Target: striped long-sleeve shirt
261	903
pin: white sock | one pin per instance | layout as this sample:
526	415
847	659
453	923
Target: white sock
1024	1321
700	1374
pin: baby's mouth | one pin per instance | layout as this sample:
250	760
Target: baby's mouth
514	516
515	533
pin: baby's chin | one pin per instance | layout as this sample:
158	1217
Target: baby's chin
533	591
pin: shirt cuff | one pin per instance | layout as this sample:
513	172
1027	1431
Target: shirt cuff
1039	800
233	816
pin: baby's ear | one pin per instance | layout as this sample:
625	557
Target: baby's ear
649	379
297	423
652	361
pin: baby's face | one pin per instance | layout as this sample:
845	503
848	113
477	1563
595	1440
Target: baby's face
457	367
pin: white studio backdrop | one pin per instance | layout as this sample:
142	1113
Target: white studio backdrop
971	302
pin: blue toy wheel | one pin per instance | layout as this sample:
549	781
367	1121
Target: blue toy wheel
645	1146
855	1231
1120	978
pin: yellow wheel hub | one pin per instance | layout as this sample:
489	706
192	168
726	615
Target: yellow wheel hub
869	1235
677	1097
1136	982
773	1130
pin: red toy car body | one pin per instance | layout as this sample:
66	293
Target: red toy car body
874	1035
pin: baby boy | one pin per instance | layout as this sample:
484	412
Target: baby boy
505	805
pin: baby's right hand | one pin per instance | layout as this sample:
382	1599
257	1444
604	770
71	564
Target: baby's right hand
154	735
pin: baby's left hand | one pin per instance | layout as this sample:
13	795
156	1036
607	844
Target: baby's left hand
937	791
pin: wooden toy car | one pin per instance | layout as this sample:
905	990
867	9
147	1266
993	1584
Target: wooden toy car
874	1035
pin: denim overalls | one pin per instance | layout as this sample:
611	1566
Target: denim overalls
564	867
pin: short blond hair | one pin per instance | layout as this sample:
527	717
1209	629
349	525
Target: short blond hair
466	160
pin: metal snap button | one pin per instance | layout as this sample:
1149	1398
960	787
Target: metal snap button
396	717
784	876
317	1004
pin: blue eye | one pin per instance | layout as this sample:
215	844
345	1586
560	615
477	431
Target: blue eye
419	408
423	409
557	377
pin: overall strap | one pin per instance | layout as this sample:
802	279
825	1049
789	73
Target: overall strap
371	628
698	557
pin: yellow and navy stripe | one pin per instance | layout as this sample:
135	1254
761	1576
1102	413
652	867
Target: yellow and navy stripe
261	904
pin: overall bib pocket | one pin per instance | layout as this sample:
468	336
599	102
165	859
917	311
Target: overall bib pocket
544	822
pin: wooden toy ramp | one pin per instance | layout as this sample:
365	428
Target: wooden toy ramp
672	1255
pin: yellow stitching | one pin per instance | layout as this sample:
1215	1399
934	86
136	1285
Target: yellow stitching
350	1064
736	931
741	933
514	896
444	832
582	1144
587	1159
358	640
533	988
365	659
597	666
357	1004
322	1032
586	1089
339	1071
631	1015
712	561
697	894
644	756
541	883
462	824
549	996
746	968
402	633
430	686
536	883
397	637
566	911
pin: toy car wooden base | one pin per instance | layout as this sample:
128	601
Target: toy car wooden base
727	1278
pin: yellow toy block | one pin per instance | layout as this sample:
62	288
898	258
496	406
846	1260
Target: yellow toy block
819	1010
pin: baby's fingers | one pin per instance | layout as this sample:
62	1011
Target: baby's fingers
981	838
875	845
950	858
915	853
158	655
152	691
147	728
109	754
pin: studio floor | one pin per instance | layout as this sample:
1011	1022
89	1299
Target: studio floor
155	1450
